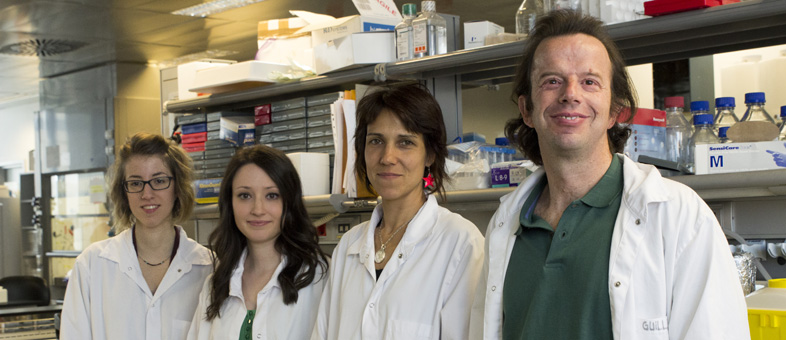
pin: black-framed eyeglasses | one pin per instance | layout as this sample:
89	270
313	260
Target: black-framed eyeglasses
158	183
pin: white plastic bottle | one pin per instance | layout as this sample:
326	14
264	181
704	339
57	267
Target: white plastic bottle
528	13
702	133
404	36
724	113
678	132
430	31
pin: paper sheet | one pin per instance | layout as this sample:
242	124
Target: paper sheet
350	184
337	122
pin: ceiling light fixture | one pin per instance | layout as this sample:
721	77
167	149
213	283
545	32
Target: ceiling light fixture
213	7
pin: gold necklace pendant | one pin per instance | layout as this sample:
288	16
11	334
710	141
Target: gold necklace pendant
379	256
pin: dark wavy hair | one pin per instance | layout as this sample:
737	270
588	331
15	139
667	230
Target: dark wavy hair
174	157
623	95
420	113
298	240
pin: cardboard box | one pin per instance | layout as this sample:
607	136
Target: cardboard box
207	190
739	157
262	114
237	77
278	42
648	133
475	33
314	171
355	49
238	130
186	75
379	15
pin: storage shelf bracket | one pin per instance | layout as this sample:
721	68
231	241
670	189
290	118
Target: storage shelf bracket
380	73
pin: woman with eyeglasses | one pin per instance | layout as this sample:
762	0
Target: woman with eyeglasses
143	283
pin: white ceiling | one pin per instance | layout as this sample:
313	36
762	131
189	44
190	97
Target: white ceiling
143	31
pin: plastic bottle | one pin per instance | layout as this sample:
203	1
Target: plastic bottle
702	133
678	132
755	112
430	31
528	12
782	135
722	135
724	113
404	36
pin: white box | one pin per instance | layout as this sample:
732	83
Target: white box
739	157
314	171
378	15
236	77
278	43
186	75
475	33
357	48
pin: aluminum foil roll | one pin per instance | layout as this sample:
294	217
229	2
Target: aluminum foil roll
746	269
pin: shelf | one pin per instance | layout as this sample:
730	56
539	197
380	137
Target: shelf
743	25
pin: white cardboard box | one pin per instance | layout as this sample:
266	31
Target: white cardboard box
475	33
278	43
739	157
236	77
378	15
314	171
186	75
354	49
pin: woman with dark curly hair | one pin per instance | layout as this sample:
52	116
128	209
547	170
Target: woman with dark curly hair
144	282
269	271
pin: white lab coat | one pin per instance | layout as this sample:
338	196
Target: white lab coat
273	319
671	275
107	296
424	292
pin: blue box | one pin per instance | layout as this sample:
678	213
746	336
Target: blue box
207	190
193	128
238	130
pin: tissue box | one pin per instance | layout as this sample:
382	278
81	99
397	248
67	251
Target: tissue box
207	190
739	157
354	49
475	33
238	130
648	133
314	171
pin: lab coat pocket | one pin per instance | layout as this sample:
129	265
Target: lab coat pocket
402	329
656	328
180	329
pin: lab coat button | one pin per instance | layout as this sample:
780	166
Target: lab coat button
129	268
617	284
500	224
638	221
493	288
259	335
400	255
371	305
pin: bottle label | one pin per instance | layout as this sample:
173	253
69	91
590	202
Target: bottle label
420	37
403	43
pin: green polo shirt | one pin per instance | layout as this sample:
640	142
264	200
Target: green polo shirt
556	285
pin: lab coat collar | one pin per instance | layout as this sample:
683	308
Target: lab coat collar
236	281
419	228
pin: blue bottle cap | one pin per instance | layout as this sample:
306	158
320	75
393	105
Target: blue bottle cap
700	105
724	102
501	141
701	119
754	97
783	111
722	132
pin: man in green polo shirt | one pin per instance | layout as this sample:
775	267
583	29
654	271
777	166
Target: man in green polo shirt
594	245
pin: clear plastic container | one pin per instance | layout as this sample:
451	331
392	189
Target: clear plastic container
756	112
767	311
527	14
724	113
678	131
429	31
404	37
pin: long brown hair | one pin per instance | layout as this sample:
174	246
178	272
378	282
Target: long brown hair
298	240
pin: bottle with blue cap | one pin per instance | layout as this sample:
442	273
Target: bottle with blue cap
782	135
756	112
724	113
722	134
703	132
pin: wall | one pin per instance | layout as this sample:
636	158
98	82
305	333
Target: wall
18	133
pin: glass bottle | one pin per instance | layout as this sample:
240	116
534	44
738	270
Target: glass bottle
404	39
553	5
702	134
430	31
782	135
724	113
722	137
678	132
755	112
528	13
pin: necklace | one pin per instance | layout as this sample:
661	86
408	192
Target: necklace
152	264
174	248
379	256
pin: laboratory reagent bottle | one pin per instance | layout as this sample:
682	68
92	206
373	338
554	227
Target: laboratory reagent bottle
724	113
722	135
555	5
678	132
703	133
528	13
404	36
782	135
430	31
755	112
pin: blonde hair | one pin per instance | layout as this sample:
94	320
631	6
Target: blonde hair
175	158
